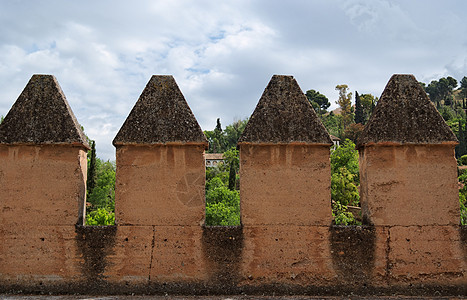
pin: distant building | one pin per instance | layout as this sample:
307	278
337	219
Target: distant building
212	159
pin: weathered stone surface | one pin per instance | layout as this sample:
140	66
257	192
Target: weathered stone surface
178	255
285	184
41	115
409	185
161	115
426	254
284	115
405	115
287	255
160	185
33	255
42	185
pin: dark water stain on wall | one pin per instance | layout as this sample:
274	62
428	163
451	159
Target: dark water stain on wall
353	253
94	244
222	247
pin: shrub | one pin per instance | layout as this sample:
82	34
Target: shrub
342	216
100	216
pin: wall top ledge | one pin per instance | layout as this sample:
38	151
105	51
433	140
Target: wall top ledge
405	115
160	115
284	115
204	144
42	115
284	144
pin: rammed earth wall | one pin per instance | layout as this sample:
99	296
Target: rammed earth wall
411	242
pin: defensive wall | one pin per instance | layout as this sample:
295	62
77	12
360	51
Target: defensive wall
411	241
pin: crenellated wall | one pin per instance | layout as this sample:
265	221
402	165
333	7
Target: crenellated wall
411	242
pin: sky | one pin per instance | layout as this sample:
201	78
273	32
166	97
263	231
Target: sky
221	53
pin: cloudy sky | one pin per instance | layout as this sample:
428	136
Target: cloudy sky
221	53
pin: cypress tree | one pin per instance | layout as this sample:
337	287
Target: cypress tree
232	177
461	147
359	117
91	181
464	141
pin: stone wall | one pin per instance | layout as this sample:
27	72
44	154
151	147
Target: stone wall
411	242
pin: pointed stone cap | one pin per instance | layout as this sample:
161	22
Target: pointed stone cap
405	115
41	115
161	115
284	115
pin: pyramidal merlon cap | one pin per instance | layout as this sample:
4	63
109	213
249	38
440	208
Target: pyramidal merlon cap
161	115
41	115
405	115
284	115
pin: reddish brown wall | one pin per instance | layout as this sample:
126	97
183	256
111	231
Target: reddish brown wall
42	190
269	254
42	185
160	185
409	185
285	185
410	194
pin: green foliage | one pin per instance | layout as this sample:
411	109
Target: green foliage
319	102
441	89
462	161
464	87
345	104
220	214
100	216
102	196
223	140
344	188
359	116
91	181
342	216
1	119
222	196
222	204
447	113
344	182
368	103
345	156
462	198
333	123
463	208
233	132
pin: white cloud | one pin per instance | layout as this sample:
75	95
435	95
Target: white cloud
222	54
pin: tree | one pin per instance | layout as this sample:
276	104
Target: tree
359	116
319	101
231	158
344	182
233	132
333	124
461	147
368	103
353	131
441	89
222	140
91	180
464	88
345	104
222	204
103	194
1	119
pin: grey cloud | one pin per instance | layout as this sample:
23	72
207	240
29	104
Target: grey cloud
222	54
